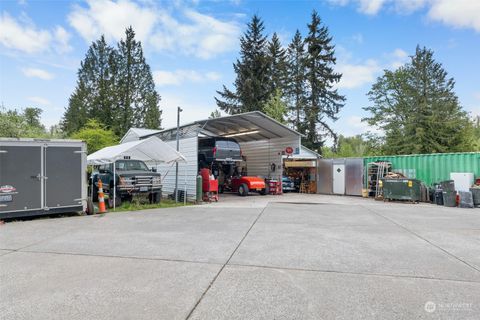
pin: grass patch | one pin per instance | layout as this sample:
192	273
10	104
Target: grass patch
135	206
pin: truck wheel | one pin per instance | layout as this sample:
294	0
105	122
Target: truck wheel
263	192
118	202
243	190
154	197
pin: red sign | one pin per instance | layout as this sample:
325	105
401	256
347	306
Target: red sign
289	150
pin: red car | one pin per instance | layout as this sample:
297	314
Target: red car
243	185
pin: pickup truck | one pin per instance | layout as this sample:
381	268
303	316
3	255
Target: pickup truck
132	177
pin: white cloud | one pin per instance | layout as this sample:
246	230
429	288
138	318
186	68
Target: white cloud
111	19
400	57
357	75
458	13
62	38
39	101
37	73
22	37
455	13
196	34
178	77
370	7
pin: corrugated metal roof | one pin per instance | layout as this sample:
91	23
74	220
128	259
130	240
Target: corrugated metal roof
249	126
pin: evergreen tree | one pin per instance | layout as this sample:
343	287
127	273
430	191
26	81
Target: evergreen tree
115	87
323	101
277	66
94	96
251	84
296	89
138	102
275	107
418	110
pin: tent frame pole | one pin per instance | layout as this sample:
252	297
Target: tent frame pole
114	187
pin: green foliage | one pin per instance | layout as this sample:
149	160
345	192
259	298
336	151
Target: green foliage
24	124
296	86
323	100
356	146
96	136
215	114
275	107
277	66
252	83
115	87
418	110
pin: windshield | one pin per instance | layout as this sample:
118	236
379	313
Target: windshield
130	165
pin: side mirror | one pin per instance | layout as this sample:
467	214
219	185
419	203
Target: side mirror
154	169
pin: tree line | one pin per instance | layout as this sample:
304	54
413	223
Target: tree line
415	106
115	87
294	85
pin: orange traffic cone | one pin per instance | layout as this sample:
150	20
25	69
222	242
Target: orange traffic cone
101	199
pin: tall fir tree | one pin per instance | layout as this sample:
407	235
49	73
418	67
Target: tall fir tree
94	95
323	100
277	66
114	87
296	88
138	102
252	87
417	108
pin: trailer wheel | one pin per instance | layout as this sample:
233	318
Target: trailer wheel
243	190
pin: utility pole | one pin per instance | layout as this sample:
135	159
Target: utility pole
178	145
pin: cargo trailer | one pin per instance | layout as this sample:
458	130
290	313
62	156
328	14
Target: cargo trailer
39	177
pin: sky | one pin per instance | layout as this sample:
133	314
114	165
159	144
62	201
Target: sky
191	46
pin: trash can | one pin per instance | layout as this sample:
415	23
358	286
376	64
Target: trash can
449	198
466	199
447	185
476	196
438	195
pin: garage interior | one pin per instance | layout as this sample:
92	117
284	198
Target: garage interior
263	142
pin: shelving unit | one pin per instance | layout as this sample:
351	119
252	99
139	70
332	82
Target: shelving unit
375	172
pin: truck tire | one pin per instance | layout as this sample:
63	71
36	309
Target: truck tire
155	197
118	202
243	190
263	192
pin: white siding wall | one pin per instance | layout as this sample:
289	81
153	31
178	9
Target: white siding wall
189	149
261	154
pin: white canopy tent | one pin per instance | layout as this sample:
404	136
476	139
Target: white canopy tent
149	150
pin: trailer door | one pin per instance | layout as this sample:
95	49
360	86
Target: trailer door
63	176
20	178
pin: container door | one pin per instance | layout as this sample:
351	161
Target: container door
339	178
63	182
20	178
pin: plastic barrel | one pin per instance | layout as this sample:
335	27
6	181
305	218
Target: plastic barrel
449	198
447	185
476	196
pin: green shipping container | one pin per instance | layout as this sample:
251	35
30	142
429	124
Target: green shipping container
431	168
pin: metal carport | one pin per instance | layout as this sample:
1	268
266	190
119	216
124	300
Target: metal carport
263	141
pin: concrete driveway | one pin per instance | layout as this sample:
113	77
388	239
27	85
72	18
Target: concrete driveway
273	257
